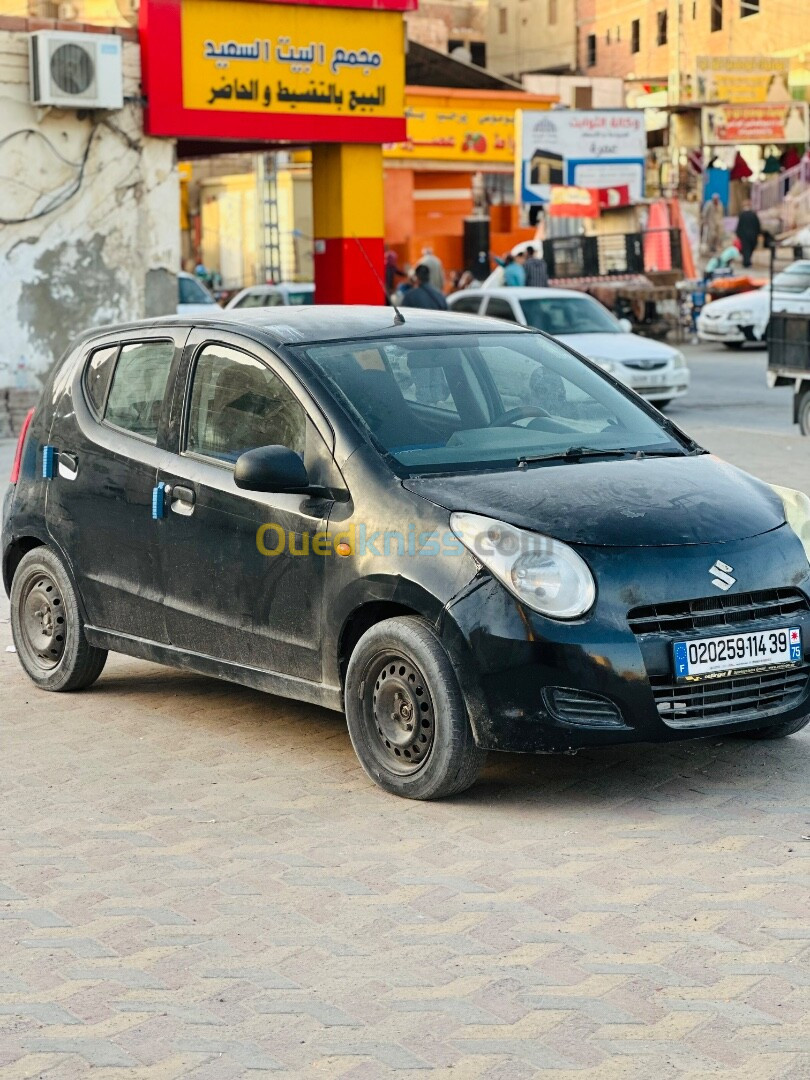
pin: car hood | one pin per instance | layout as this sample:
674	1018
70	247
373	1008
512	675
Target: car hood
756	300
616	347
617	503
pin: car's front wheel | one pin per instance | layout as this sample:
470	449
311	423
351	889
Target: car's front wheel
47	625
406	714
777	731
803	412
735	345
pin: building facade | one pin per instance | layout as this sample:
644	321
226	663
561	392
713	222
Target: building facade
531	36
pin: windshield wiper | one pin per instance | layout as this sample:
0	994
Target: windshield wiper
576	453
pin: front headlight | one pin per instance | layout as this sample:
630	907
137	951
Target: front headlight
797	513
546	575
678	359
606	365
740	316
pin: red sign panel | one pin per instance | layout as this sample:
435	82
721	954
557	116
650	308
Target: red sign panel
281	72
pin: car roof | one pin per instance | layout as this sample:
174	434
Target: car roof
522	292
281	286
307	324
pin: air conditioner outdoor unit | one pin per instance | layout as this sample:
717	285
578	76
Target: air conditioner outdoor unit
79	71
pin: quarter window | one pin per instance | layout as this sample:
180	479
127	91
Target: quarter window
260	300
139	386
97	376
467	305
238	404
498	308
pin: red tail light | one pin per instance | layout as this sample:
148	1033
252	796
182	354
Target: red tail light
15	468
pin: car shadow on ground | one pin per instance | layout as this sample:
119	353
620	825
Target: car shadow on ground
684	775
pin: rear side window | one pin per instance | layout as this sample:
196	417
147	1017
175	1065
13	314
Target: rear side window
261	300
498	308
467	305
97	377
138	387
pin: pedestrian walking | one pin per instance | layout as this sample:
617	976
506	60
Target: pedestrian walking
434	265
748	230
712	219
535	269
423	294
514	270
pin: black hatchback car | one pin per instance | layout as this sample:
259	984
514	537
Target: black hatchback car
466	536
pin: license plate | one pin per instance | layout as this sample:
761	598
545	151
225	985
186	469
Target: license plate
650	382
708	658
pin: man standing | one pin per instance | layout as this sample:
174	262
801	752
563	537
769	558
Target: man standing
434	265
712	220
748	230
536	270
423	294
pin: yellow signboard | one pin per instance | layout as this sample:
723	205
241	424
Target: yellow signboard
290	58
457	129
743	80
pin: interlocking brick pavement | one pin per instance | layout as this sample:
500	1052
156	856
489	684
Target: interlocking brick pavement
197	880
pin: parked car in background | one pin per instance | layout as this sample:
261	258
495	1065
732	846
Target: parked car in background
457	531
284	293
742	318
192	296
655	371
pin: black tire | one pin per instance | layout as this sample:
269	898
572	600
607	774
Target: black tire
406	715
47	626
776	731
734	345
660	405
803	413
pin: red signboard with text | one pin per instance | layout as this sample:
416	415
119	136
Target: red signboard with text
283	72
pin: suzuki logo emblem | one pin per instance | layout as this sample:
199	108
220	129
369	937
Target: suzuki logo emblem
722	579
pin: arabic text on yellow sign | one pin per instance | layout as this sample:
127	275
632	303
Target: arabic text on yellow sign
457	131
288	58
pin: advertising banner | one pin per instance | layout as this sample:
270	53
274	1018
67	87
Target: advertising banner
750	124
573	202
587	149
739	80
248	70
463	133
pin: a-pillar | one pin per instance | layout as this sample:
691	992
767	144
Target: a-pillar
347	198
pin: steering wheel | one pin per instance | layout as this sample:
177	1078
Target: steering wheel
521	412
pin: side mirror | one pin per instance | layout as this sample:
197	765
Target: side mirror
271	469
626	325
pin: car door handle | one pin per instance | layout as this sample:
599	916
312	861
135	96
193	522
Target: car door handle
68	465
182	499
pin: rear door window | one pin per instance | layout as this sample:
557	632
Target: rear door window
138	387
498	308
466	305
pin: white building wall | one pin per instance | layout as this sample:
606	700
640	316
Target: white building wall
89	218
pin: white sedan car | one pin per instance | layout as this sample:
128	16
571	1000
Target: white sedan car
734	320
655	371
286	292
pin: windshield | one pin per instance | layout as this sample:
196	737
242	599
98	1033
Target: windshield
192	292
795	279
479	400
569	315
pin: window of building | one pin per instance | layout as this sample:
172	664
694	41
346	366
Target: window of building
591	50
503	24
607	37
661	36
717	15
748	7
694	9
635	35
552	12
618	34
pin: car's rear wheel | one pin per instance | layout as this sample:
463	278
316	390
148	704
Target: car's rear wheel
803	412
406	714
776	731
47	625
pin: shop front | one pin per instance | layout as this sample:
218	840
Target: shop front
253	76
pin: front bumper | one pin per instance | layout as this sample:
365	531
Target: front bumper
509	658
724	330
657	385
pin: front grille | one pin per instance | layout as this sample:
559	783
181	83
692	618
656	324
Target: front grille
645	365
722	701
682	616
583	709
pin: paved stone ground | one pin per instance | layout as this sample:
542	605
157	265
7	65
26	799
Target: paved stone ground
197	880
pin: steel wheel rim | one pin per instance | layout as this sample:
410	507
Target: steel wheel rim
43	621
400	714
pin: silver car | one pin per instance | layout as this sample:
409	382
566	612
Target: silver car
655	371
